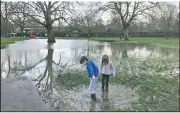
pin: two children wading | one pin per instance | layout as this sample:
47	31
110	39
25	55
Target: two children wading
106	70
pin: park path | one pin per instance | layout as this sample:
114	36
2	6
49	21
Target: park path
19	94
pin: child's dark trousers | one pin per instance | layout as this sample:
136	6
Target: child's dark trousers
105	80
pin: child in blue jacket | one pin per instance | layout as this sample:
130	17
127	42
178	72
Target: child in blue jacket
93	72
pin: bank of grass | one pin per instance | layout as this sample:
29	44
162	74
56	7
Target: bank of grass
10	40
72	38
163	41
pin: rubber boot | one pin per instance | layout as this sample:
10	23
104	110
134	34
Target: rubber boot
91	96
94	97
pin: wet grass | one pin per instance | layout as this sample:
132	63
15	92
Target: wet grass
72	79
10	40
171	42
152	78
155	40
72	38
154	82
162	41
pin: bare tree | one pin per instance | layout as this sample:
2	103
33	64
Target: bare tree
168	13
20	19
7	9
46	13
86	19
176	24
128	11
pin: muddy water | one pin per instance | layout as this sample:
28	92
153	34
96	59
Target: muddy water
60	79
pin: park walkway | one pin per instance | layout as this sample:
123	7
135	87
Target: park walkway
19	94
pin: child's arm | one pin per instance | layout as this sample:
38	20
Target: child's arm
90	70
113	69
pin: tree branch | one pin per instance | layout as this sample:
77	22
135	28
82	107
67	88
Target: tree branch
55	9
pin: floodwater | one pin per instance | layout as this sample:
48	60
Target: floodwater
62	82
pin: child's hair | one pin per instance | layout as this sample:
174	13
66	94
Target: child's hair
105	59
83	58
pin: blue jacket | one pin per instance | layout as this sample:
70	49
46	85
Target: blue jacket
92	69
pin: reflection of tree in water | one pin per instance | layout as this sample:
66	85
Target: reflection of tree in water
9	66
48	74
94	51
122	49
16	67
3	67
44	81
88	48
124	53
48	71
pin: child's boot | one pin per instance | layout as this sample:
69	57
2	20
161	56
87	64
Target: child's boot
91	96
94	96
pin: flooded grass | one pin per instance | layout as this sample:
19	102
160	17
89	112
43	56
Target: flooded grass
146	75
169	41
162	41
72	79
153	80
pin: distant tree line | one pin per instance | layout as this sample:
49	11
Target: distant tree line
61	19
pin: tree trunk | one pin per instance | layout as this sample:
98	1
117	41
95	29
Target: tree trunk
9	65
88	35
125	31
49	65
120	35
88	49
124	53
22	29
51	38
6	28
6	21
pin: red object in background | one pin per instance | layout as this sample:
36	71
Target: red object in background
31	34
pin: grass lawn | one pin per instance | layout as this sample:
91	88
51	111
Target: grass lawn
162	41
173	42
10	40
72	38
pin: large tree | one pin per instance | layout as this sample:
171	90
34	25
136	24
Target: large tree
85	19
164	19
20	19
128	11
7	10
47	13
167	19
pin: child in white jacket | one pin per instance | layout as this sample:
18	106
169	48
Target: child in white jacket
106	69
